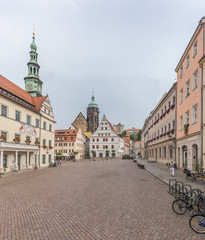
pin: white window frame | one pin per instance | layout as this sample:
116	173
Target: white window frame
195	79
195	114
187	61
187	118
195	49
181	96
187	88
181	71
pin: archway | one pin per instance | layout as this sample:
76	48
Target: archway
184	156
195	160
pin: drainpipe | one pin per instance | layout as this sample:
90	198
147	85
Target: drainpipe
201	130
175	142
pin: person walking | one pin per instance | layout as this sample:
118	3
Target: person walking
60	163
171	169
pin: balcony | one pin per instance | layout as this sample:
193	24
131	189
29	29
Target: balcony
10	146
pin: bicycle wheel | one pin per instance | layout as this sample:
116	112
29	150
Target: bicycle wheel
197	223
179	206
200	205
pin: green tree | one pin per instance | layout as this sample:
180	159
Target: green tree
139	135
123	134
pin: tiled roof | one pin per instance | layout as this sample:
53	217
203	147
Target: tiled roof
68	133
112	128
127	139
20	93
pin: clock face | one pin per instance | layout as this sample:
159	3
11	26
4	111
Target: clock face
29	86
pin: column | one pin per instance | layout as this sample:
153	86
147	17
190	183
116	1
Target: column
1	160
27	159
16	159
37	159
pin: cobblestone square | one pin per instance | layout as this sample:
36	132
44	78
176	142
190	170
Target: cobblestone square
102	200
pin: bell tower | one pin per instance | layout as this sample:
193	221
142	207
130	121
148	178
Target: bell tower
92	115
33	84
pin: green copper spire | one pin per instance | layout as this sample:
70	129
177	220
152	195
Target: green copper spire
33	45
33	84
93	103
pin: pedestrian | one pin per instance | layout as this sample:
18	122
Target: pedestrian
60	163
171	169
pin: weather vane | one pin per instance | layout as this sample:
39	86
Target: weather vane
33	29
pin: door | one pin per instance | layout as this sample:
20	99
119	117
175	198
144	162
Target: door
19	162
185	159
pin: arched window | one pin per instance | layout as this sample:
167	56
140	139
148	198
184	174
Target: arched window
34	70
30	69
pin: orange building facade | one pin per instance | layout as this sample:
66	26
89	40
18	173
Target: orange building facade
189	108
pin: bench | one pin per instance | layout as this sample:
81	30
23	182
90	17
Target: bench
140	165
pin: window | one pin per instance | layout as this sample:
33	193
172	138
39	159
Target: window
173	124
93	140
43	159
174	100
187	88
97	139
187	61
97	146
49	158
44	142
28	119
160	153
187	117
50	127
93	146
171	155
165	152
4	110
181	71
181	96
37	122
195	113
112	139
195	49
44	125
181	123
5	161
169	127
51	142
195	80
112	146
17	116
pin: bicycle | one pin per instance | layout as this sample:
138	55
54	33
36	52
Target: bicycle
197	223
180	206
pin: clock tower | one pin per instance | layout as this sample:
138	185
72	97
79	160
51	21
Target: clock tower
33	84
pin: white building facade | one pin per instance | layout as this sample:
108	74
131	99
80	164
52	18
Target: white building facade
105	142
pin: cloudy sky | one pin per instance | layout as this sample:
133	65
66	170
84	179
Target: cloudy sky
124	50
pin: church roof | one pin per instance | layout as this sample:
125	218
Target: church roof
93	103
17	94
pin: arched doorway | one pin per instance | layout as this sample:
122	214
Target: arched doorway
178	158
195	160
156	154
184	156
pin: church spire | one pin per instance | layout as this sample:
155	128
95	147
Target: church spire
33	84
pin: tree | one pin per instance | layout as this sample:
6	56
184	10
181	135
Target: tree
133	137
139	135
58	155
75	153
123	134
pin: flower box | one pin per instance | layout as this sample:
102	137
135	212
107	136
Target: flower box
3	138
37	142
28	141
168	110
172	131
172	106
50	147
168	132
44	147
16	139
164	134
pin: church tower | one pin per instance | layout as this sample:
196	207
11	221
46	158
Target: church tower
33	84
92	115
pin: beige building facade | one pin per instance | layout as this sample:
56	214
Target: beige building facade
161	133
26	129
70	141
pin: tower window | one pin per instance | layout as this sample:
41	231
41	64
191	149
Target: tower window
34	70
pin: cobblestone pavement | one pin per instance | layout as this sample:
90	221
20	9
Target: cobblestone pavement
162	172
102	200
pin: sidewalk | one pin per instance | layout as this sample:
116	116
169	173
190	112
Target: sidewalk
162	173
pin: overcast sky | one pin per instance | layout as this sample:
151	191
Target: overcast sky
124	50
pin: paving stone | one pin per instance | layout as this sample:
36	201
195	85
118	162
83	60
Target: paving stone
102	200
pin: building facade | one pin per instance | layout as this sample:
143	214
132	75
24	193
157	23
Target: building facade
70	141
26	125
119	128
189	99
105	142
162	122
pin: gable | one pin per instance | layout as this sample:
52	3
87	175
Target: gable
80	122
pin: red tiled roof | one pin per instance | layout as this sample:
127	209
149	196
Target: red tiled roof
127	139
20	93
68	133
112	128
